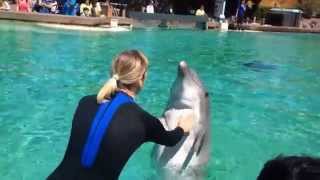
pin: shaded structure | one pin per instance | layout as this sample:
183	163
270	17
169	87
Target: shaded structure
284	17
168	20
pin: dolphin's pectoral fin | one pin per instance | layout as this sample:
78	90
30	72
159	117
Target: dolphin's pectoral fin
196	148
199	143
189	156
170	152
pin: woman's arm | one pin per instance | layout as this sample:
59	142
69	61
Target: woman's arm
17	5
155	131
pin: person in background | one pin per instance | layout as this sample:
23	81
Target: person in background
276	4
249	11
201	11
23	6
85	12
150	8
96	9
168	9
48	6
190	10
255	7
86	5
241	12
36	5
71	7
291	168
4	5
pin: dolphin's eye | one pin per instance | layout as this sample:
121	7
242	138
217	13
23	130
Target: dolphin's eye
206	94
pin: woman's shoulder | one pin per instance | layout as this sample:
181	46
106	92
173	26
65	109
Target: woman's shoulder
88	99
135	108
144	114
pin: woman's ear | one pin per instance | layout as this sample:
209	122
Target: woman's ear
141	83
144	75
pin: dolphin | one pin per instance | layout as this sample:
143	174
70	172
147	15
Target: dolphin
186	159
259	66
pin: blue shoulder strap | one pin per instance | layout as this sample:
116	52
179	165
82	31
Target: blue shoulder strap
99	126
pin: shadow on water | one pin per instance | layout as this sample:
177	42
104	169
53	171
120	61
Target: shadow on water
259	66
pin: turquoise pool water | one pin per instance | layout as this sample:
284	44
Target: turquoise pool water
256	115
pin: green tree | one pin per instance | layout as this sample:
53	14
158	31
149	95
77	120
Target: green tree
310	7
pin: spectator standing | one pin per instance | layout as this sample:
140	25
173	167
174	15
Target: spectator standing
168	9
86	5
150	8
4	5
71	7
241	12
85	12
48	6
249	11
23	6
96	9
201	11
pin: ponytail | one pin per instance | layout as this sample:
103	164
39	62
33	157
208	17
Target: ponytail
108	89
128	69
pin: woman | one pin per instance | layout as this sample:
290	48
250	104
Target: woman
107	128
23	6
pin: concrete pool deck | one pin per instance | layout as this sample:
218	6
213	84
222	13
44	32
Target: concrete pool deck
135	20
269	28
63	19
106	22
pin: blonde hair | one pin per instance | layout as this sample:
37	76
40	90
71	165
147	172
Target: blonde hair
127	69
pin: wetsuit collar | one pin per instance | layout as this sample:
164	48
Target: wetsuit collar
125	93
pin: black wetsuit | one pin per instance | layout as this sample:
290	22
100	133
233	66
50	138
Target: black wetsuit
130	127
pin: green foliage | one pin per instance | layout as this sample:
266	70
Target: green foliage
261	12
309	7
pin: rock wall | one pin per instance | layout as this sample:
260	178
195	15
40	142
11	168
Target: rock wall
313	23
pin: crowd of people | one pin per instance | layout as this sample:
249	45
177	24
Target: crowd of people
246	11
66	7
155	7
85	7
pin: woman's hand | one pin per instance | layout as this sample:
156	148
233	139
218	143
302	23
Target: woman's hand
186	121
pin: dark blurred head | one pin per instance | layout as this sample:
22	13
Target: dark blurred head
291	168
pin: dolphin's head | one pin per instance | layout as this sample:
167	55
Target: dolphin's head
187	92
